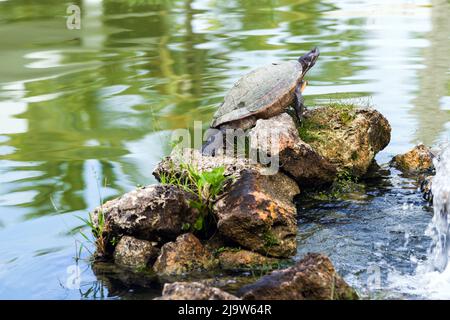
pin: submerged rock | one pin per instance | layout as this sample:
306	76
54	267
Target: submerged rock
425	188
193	291
312	278
186	254
296	157
349	137
257	213
151	213
244	260
134	253
417	160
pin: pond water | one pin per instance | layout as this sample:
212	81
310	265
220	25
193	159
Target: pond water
85	115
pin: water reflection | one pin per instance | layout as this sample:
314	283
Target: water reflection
86	114
433	78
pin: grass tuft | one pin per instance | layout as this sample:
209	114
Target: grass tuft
205	185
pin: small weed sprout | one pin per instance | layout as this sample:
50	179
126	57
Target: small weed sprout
98	231
205	185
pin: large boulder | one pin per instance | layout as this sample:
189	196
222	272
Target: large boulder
193	291
348	137
150	213
278	136
237	260
257	212
255	209
312	278
185	255
417	160
134	253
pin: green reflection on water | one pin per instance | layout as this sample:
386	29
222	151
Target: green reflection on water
78	107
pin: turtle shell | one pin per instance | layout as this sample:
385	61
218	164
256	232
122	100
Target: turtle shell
260	94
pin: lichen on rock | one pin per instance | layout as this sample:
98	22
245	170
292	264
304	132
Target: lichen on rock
238	260
417	160
134	253
154	213
346	135
312	278
193	291
186	254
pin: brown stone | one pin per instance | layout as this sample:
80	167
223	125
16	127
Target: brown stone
279	136
255	210
135	253
257	213
245	260
313	278
419	159
186	254
193	291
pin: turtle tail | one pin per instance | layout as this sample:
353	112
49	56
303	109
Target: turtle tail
309	59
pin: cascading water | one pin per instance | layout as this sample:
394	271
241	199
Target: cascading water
438	229
432	277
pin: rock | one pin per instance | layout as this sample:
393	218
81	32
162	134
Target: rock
255	210
186	254
245	260
419	159
135	253
312	278
173	165
348	137
296	157
193	291
151	213
257	213
425	188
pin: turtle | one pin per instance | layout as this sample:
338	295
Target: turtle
261	94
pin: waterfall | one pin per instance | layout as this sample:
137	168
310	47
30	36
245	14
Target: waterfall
438	229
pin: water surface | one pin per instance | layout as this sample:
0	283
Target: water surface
85	115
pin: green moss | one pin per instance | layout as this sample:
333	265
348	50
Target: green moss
316	128
344	187
270	239
309	131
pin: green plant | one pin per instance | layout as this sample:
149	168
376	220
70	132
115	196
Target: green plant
98	231
205	185
270	240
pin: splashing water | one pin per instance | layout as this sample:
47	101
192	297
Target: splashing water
438	229
432	277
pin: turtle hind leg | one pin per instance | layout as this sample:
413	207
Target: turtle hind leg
213	143
298	103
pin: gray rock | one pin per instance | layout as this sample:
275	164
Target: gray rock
134	253
151	213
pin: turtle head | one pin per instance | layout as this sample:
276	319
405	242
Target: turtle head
309	59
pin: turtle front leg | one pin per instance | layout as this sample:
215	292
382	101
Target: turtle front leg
298	102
